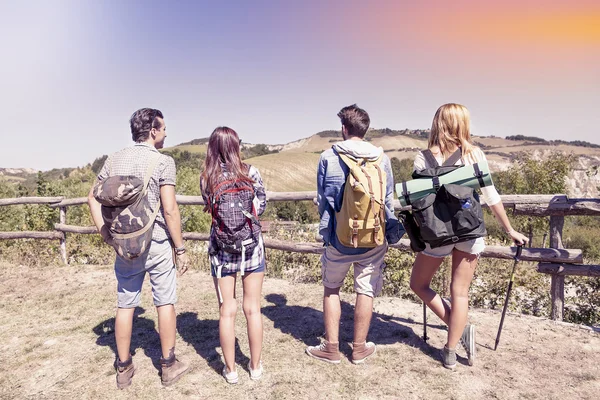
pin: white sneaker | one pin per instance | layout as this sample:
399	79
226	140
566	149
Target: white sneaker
256	374
230	377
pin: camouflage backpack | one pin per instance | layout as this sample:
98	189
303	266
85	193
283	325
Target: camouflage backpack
361	219
127	212
235	224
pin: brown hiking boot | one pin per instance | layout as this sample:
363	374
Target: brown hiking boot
326	351
361	351
125	372
172	369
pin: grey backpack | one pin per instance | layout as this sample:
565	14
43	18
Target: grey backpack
127	212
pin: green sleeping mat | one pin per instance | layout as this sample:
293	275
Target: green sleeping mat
465	175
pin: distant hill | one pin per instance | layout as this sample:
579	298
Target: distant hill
288	171
292	166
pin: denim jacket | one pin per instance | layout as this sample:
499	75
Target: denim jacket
331	178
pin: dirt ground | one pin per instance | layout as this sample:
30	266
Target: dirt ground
57	341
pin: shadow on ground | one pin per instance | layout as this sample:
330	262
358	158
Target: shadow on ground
143	336
203	335
306	324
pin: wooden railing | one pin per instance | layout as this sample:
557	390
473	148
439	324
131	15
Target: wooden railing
556	261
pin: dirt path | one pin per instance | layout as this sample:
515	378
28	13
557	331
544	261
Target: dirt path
57	341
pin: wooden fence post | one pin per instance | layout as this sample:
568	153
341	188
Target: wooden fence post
63	241
557	283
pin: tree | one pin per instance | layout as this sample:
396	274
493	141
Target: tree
528	175
402	169
98	164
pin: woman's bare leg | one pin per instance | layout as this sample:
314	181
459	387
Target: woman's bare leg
227	311
423	271
252	296
463	268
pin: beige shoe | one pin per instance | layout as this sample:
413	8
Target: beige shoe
326	351
362	351
125	373
172	369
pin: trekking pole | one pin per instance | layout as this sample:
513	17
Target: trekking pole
425	337
510	284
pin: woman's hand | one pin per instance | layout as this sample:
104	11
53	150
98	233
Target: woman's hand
517	237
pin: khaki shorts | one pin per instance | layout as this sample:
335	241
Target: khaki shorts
158	263
368	269
475	246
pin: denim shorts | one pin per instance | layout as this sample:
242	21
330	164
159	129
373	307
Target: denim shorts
475	246
158	263
226	272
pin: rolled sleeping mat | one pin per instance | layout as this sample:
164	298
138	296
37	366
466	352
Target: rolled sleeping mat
473	176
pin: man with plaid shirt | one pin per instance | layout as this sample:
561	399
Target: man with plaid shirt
148	131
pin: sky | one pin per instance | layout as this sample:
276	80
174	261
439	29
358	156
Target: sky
73	72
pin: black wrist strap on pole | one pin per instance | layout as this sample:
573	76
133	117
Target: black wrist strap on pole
405	193
478	175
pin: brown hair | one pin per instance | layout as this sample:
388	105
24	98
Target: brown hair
355	119
142	121
223	148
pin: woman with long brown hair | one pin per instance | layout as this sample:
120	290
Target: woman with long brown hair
235	197
450	131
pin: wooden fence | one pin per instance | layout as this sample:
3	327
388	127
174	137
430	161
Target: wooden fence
555	260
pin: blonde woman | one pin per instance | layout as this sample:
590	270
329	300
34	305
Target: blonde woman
450	130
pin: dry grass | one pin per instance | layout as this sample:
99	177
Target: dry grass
57	341
390	143
497	141
577	150
288	171
192	148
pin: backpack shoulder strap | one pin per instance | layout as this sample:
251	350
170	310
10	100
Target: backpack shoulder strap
430	158
457	155
347	160
150	171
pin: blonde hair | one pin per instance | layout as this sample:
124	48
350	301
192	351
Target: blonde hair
450	129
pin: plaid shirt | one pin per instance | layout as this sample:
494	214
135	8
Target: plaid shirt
233	262
134	161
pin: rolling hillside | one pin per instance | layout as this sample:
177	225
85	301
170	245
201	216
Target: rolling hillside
583	180
287	171
293	166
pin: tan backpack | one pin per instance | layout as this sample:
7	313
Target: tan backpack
361	220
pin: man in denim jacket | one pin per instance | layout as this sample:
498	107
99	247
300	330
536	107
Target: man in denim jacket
337	259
